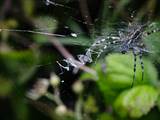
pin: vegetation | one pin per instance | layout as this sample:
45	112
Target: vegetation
35	35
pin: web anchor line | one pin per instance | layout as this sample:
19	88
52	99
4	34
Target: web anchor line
32	31
49	2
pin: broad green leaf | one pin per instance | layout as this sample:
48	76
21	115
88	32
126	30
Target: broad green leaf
119	75
136	102
119	72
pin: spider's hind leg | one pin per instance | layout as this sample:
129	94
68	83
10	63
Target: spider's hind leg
134	69
142	64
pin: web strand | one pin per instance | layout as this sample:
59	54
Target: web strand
31	31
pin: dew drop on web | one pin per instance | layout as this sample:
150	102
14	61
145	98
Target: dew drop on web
62	81
74	35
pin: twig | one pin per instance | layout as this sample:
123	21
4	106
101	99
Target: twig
85	14
78	109
5	8
66	54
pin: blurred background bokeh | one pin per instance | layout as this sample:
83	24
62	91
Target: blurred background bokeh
35	34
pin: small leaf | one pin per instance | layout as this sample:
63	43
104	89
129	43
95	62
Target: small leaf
6	87
28	7
90	105
105	116
136	102
44	24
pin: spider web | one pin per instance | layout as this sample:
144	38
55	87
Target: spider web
111	40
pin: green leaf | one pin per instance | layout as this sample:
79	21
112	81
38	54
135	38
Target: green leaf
18	66
119	72
158	101
90	105
119	75
28	7
20	108
136	102
105	116
152	41
6	87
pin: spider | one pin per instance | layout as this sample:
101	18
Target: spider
131	40
125	41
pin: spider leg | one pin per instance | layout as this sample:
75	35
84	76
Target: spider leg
104	47
89	55
98	55
142	64
60	68
134	69
63	67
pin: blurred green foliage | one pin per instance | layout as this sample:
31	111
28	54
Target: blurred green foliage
26	57
115	85
136	102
